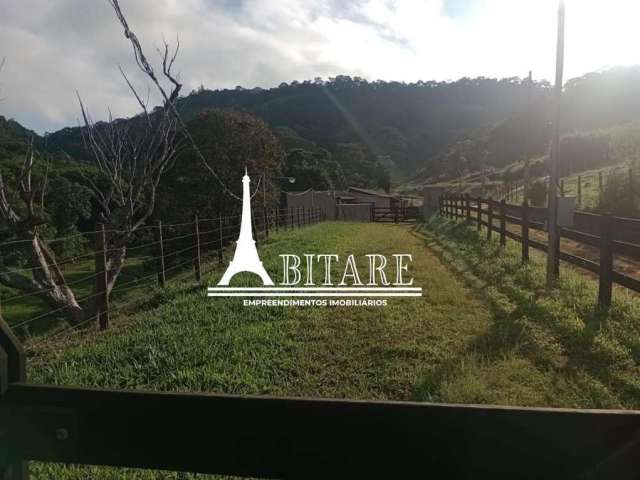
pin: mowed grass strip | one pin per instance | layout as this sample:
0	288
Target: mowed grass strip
545	347
194	343
188	342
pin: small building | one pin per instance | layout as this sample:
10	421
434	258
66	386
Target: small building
325	200
377	199
353	204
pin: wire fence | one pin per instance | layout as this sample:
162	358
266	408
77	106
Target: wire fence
163	253
587	187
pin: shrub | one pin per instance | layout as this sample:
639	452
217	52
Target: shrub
620	195
538	193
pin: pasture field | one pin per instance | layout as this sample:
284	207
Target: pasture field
484	331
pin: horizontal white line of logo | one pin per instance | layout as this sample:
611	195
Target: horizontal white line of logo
314	294
315	289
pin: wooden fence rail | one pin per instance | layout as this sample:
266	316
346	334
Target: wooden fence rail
271	437
610	235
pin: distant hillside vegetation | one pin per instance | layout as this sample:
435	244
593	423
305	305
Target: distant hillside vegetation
401	124
350	131
597	107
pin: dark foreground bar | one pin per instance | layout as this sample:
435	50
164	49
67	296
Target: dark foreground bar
309	438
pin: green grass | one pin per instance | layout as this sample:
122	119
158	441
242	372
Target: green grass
20	309
485	331
590	189
191	343
544	348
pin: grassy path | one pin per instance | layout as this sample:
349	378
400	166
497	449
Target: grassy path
485	331
191	343
544	348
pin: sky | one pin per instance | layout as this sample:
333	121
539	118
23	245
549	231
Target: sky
55	48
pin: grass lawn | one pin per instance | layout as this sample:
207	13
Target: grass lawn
485	331
544	348
590	189
193	343
32	317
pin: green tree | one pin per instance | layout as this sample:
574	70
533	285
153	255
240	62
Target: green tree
230	141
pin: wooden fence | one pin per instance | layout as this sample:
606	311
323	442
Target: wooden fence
274	437
271	437
608	234
395	215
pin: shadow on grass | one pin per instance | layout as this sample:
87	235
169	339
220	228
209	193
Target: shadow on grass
559	332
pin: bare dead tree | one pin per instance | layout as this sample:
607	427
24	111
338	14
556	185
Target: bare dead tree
131	157
47	280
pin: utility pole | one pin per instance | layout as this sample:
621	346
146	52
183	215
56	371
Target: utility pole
552	216
527	142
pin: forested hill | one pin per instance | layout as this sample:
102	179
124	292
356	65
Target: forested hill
13	137
408	123
351	131
599	110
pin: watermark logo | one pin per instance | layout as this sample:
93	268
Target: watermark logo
347	288
245	258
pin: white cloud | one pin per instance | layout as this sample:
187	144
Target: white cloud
56	48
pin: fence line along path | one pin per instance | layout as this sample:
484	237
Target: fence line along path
607	234
165	251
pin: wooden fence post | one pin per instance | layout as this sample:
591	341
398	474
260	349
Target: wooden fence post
220	240
298	217
600	186
196	259
479	213
525	231
489	218
562	187
606	261
468	207
291	224
102	296
16	358
503	222
161	271
579	190
13	368
266	223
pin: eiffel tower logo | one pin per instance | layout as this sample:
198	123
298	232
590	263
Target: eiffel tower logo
245	258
